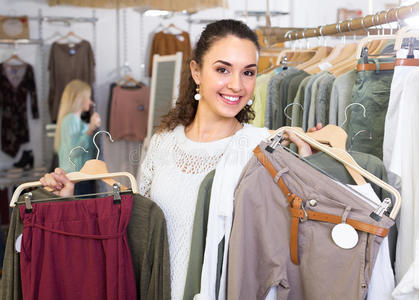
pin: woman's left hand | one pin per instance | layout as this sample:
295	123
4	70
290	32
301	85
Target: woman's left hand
304	148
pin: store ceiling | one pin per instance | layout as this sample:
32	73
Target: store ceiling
170	5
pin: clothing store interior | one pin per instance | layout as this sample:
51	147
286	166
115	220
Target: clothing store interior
186	150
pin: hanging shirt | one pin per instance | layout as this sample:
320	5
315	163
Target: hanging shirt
129	113
16	83
147	239
66	63
168	44
405	164
382	279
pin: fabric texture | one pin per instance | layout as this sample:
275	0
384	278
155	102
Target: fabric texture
341	97
273	94
147	239
175	163
391	122
73	133
279	119
405	164
87	237
372	90
220	215
67	63
311	121
323	99
307	99
168	44
297	110
129	113
16	83
199	233
292	92
259	94
325	271
382	277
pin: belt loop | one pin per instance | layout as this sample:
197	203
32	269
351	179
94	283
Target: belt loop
346	213
280	173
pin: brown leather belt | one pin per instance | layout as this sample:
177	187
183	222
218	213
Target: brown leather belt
373	67
298	213
407	62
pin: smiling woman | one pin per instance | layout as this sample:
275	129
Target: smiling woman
199	135
223	70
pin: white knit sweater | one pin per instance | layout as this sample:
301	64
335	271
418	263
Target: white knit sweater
171	174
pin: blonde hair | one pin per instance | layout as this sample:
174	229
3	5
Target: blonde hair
71	102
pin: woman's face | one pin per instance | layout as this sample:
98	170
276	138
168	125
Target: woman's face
227	76
87	101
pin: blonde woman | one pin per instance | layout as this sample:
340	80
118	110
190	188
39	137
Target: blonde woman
71	130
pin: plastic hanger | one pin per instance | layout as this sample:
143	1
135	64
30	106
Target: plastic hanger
346	159
93	169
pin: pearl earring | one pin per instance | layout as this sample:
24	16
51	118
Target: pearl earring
250	102
197	95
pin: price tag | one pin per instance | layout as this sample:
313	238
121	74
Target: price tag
344	236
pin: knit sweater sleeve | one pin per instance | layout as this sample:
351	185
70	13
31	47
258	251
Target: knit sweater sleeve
147	167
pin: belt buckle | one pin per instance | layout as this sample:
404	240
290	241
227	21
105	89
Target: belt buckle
305	218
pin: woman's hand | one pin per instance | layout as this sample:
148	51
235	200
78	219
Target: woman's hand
304	148
59	183
94	123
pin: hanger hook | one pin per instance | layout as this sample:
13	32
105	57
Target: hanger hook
346	110
386	19
286	107
286	34
354	136
71	152
363	26
94	141
378	14
397	18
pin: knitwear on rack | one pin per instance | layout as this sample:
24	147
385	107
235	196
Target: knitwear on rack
175	163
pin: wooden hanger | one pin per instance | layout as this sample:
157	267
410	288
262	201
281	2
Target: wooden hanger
14	57
69	35
127	79
171	26
321	53
346	159
93	169
372	38
76	177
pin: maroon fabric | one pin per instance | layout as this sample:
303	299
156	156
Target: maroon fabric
77	250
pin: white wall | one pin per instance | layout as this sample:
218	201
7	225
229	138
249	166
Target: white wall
134	44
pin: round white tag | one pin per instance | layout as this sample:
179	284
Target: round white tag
18	243
344	236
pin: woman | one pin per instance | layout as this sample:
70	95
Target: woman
71	131
206	130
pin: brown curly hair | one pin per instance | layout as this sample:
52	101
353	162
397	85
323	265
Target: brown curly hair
185	108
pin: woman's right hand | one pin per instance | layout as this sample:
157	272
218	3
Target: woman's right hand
94	122
59	183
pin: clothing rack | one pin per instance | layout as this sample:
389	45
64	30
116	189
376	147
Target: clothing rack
354	25
42	20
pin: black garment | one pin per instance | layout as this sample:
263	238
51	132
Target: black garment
14	123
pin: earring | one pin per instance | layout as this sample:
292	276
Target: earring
250	102
197	95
